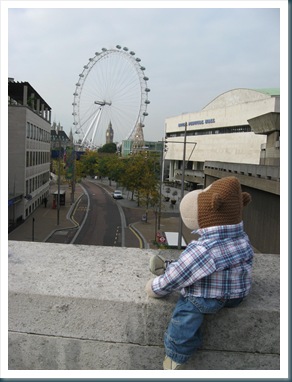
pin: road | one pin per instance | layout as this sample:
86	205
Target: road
102	225
105	222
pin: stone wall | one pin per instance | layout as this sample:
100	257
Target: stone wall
85	308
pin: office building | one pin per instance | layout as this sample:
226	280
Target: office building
29	142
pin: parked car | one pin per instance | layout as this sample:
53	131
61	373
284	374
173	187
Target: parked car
118	194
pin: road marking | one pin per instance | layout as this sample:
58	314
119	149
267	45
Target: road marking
83	208
138	237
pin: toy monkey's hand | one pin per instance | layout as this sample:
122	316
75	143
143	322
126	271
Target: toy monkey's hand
149	290
158	264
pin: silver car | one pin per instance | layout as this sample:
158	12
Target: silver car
118	194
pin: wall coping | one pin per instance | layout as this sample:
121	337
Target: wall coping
82	293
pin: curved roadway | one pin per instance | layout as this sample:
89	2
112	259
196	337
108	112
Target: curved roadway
104	223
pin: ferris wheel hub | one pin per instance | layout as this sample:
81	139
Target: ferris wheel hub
102	103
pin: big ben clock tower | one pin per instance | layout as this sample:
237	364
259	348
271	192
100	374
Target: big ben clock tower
109	134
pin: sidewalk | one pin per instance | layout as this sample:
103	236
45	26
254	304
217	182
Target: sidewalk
42	223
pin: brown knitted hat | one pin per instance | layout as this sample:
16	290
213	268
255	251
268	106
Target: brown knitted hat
222	203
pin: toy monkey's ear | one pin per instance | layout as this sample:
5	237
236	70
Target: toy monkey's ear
216	201
246	198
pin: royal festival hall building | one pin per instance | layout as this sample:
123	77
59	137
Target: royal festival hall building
238	126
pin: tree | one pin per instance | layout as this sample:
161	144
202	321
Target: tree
133	171
89	163
110	166
138	173
109	148
141	176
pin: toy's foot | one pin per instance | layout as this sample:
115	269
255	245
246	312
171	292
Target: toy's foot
158	265
169	364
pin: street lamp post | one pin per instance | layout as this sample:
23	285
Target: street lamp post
59	179
183	177
73	176
33	229
182	187
161	181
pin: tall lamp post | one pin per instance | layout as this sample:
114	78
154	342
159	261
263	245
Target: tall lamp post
183	180
183	177
59	177
182	187
161	180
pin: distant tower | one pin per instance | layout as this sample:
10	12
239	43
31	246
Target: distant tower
109	134
138	138
71	137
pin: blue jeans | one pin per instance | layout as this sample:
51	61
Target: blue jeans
183	336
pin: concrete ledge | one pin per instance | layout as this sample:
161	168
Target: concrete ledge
84	307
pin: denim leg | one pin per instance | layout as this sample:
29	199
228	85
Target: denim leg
183	335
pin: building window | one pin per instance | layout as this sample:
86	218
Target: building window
223	130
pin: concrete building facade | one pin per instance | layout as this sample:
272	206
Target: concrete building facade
237	134
29	141
231	128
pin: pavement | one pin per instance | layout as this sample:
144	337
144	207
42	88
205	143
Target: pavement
44	224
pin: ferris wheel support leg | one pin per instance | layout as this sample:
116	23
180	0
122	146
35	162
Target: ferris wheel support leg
96	124
90	127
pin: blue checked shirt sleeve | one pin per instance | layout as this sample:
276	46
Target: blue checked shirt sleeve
193	264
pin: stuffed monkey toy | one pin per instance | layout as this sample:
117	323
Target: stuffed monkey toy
211	273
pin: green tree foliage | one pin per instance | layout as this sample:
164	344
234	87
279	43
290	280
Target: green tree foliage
55	167
110	148
138	173
89	163
141	176
110	165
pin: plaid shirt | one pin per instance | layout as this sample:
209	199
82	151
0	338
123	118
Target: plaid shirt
218	265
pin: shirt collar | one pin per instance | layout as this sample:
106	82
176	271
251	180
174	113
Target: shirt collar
221	230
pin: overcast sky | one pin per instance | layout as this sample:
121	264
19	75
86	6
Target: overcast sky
191	55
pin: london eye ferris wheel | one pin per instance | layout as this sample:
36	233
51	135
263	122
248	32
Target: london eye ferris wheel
111	89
